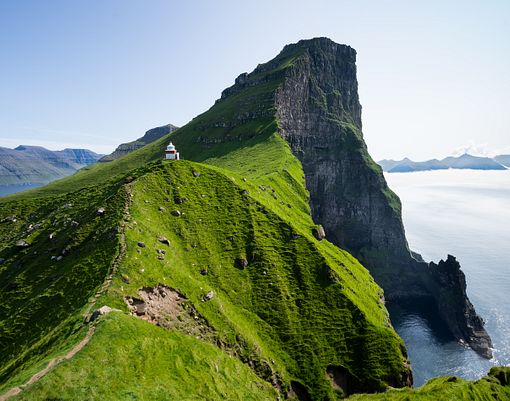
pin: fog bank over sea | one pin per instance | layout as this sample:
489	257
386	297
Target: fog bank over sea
465	213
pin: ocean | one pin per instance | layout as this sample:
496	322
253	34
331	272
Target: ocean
465	213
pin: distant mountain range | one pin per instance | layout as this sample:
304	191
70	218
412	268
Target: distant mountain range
34	165
464	161
150	136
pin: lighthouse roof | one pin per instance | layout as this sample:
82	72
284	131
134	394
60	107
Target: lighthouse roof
170	146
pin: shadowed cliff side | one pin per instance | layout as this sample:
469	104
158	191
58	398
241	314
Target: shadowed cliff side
319	115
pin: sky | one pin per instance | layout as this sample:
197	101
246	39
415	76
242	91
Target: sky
433	75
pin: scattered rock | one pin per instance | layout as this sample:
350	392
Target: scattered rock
11	218
161	257
161	251
161	209
2	261
178	200
262	187
230	238
74	224
52	235
68	206
196	173
245	192
164	240
22	244
295	236
66	250
244	179
208	296
176	213
141	244
59	258
203	272
33	227
319	233
241	263
126	279
53	258
100	211
103	310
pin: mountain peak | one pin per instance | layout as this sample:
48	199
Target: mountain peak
322	43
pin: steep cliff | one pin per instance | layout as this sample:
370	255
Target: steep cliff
319	115
150	136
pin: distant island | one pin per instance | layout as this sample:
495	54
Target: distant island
465	161
31	166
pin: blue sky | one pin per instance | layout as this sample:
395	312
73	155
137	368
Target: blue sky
433	75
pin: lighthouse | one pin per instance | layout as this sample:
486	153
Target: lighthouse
171	153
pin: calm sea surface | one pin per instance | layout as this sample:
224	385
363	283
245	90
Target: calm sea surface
465	213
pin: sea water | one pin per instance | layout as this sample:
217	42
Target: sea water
465	213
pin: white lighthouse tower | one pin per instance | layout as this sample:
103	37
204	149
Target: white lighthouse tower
171	153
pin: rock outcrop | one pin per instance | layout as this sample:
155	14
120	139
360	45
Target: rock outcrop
319	115
150	136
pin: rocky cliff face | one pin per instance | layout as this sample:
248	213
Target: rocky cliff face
150	136
319	115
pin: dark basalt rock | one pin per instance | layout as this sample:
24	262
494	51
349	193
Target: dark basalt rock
319	115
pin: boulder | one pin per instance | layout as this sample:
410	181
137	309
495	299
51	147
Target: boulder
241	263
100	211
103	310
208	296
176	213
319	233
164	240
22	244
141	244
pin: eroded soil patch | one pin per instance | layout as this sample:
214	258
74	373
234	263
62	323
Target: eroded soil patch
167	307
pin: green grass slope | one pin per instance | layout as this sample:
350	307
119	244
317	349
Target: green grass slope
128	359
495	386
299	308
45	285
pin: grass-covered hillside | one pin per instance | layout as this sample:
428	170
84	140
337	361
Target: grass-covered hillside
221	289
291	307
54	253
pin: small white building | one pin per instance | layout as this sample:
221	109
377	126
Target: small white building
171	153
